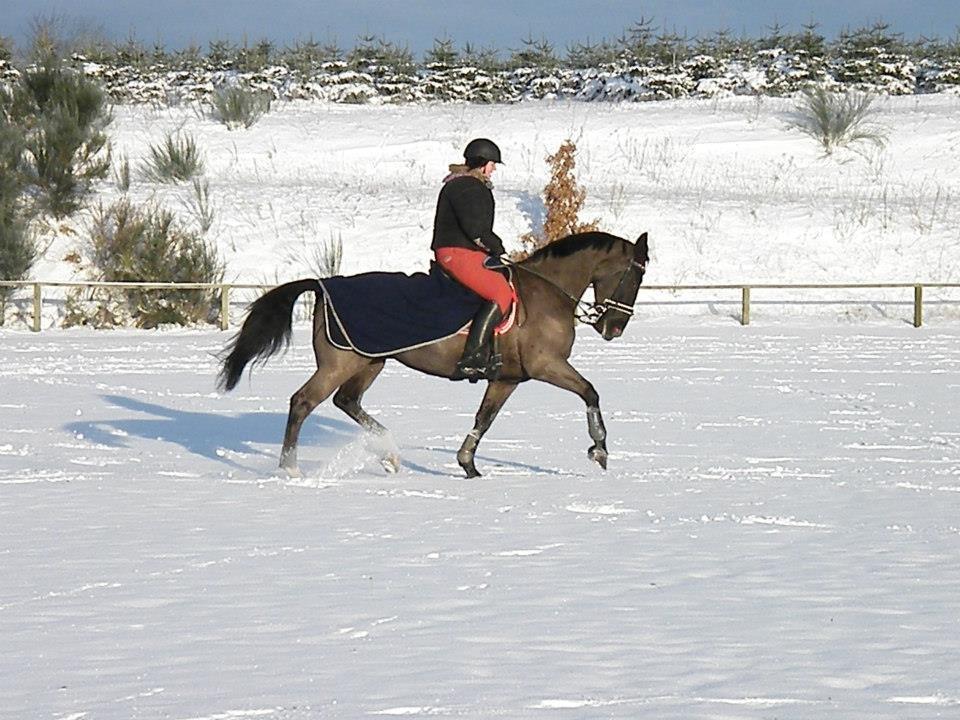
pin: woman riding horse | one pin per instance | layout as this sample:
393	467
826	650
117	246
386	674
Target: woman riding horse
463	239
550	284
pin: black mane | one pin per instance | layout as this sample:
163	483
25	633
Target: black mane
571	244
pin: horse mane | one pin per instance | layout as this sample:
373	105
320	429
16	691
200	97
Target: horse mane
572	244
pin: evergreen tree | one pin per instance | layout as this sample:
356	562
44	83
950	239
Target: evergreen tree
481	58
812	42
534	54
63	116
637	43
588	55
442	55
17	250
222	52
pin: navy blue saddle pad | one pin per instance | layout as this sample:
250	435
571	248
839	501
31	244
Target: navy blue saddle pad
381	313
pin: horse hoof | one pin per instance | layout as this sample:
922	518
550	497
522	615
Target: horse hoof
599	456
391	463
292	471
466	462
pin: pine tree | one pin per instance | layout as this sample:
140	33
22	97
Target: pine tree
534	54
442	55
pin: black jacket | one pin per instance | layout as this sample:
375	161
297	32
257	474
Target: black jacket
465	216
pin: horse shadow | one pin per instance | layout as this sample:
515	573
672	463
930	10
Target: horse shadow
208	435
493	462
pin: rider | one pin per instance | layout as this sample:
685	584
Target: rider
463	239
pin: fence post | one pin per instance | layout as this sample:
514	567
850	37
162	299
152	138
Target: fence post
745	307
917	305
37	301
224	307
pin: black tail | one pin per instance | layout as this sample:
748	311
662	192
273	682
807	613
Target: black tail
265	331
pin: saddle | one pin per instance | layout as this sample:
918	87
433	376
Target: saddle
378	314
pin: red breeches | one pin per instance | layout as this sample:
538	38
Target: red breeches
467	267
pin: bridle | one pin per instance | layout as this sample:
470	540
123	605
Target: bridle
614	302
591	313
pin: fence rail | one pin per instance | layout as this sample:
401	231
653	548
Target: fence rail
226	288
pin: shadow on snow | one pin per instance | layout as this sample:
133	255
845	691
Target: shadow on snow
209	435
214	435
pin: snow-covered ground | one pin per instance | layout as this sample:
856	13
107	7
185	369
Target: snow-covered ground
778	533
777	536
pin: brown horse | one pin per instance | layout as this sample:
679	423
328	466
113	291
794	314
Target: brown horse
549	283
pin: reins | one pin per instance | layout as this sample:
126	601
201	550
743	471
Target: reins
586	312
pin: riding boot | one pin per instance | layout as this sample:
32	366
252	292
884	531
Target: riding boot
478	362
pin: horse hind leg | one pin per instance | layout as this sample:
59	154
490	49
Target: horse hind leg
348	398
303	402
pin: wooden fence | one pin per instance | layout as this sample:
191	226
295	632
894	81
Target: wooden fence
225	289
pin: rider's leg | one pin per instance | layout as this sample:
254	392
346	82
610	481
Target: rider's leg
475	363
467	267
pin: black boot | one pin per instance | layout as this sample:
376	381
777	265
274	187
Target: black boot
478	362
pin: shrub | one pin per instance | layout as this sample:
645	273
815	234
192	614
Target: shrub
563	198
11	160
200	207
17	249
17	253
239	107
327	257
121	175
177	159
63	116
133	244
837	119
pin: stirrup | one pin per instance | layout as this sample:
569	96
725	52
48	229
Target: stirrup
489	371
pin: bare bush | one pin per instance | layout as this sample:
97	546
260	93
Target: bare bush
563	199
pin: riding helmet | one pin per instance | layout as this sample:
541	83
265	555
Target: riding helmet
481	149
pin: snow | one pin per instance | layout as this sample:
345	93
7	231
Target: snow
777	534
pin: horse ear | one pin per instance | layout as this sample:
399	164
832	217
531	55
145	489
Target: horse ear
640	251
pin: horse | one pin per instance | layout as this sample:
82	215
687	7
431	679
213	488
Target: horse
550	284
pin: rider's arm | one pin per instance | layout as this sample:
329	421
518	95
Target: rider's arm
474	207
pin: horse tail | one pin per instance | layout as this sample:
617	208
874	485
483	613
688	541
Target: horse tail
265	332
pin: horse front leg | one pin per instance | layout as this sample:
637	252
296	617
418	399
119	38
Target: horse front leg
564	375
493	399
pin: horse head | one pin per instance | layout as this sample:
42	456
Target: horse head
615	291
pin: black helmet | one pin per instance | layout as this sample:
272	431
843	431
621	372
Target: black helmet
481	149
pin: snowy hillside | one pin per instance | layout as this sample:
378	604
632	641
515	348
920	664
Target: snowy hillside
727	189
